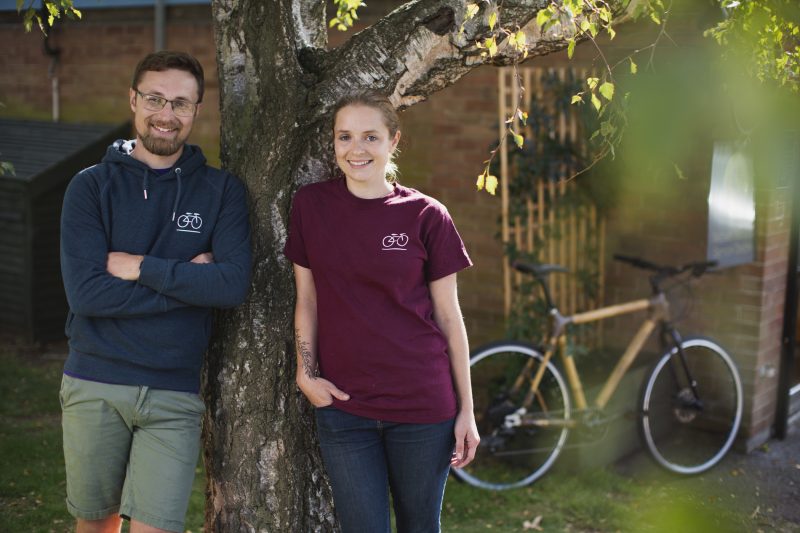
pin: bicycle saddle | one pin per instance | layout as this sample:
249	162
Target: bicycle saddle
540	270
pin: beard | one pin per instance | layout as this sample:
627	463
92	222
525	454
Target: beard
160	146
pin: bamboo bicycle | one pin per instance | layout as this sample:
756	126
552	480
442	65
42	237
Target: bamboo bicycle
688	414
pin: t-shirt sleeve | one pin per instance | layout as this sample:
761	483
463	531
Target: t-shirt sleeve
446	251
295	247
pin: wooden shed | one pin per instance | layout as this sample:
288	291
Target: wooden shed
45	155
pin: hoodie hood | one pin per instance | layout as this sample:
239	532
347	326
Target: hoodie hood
190	160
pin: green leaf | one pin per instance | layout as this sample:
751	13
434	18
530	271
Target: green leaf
518	139
542	17
491	46
492	20
577	99
520	39
607	90
634	68
596	102
7	168
654	17
592	82
491	184
571	48
481	181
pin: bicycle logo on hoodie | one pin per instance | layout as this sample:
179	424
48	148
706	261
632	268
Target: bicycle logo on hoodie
190	222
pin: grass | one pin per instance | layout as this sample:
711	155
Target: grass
32	487
32	482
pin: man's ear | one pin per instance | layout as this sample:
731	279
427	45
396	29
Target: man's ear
132	96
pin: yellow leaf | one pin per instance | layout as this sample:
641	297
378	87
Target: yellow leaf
607	90
481	181
491	45
592	82
596	102
491	184
542	17
520	38
492	20
472	10
634	68
577	99
518	139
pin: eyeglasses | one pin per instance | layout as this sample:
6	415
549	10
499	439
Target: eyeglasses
181	108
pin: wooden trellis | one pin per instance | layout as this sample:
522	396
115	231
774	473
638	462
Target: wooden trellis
579	228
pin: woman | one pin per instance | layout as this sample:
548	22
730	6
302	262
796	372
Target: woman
382	350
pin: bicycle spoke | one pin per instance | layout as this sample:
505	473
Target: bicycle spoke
515	448
686	432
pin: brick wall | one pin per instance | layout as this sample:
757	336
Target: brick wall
98	55
444	143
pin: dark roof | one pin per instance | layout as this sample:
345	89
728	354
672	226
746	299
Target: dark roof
41	151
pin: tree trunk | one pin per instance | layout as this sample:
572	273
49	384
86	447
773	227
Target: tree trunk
277	83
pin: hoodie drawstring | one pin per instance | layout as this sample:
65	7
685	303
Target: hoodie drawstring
178	194
144	186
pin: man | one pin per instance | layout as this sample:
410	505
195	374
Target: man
151	240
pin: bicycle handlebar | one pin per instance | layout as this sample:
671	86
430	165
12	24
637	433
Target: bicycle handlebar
662	272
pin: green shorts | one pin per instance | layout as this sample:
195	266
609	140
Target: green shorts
129	450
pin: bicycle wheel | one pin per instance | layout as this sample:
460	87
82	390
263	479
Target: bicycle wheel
513	451
684	433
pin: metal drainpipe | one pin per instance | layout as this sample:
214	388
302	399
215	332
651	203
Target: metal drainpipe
789	337
52	72
160	24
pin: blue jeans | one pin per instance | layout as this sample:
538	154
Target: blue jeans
367	458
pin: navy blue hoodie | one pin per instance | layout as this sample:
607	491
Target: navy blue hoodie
153	331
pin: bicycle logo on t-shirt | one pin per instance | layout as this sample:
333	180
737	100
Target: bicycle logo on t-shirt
395	241
190	222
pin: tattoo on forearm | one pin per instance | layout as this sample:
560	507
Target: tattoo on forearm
303	349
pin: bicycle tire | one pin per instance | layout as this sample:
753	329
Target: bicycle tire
510	457
684	436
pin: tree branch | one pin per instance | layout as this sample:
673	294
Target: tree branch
419	49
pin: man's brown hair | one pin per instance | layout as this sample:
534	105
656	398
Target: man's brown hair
166	60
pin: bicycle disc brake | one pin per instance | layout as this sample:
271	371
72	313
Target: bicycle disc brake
687	407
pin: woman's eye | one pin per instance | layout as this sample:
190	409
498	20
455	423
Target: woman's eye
371	138
344	137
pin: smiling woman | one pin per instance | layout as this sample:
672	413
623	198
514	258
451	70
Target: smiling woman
382	352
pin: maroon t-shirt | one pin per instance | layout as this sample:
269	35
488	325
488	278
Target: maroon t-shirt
372	261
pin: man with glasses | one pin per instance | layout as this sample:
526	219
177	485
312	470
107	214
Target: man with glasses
152	239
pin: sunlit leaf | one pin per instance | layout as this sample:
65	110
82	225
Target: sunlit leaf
519	140
492	20
607	90
491	184
596	102
634	68
472	10
542	17
571	48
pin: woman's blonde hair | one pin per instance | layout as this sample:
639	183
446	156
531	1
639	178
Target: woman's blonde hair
380	102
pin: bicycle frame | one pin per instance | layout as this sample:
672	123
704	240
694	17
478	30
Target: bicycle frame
658	312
